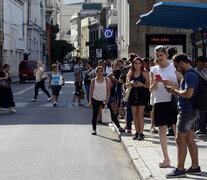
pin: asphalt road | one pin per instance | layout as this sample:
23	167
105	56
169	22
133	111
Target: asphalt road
42	142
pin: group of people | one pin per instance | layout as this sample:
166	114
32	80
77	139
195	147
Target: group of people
161	83
137	85
56	81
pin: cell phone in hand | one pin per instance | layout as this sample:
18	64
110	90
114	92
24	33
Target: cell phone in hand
158	76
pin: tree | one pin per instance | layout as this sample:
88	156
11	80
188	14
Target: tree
59	49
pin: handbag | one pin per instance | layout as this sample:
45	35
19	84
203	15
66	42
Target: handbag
61	80
126	94
44	76
4	84
106	115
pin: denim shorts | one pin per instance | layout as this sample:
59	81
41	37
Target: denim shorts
186	121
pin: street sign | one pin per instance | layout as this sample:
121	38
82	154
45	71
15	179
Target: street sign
99	53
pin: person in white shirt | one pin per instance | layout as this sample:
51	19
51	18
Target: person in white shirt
161	76
108	68
40	83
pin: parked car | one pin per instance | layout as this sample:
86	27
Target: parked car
66	67
26	69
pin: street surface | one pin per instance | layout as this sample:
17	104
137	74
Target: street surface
42	142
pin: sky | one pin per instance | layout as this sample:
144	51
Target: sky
72	1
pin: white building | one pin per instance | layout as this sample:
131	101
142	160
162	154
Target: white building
65	12
24	28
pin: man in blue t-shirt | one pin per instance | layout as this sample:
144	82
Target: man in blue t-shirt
186	118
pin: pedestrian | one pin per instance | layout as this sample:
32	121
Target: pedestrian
40	82
153	130
6	96
54	82
89	74
99	96
114	76
171	51
162	75
123	76
186	118
201	122
138	79
108	68
78	76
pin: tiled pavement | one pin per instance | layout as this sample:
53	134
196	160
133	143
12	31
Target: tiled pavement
147	154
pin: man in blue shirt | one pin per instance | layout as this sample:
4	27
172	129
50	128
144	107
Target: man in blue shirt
186	118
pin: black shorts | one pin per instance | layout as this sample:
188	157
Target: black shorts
164	114
56	90
78	89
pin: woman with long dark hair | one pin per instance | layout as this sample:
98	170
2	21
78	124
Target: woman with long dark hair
138	79
6	96
99	96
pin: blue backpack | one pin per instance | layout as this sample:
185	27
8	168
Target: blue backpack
200	101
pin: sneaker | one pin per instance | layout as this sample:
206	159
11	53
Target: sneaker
129	131
141	137
200	132
196	171
176	173
94	132
136	136
12	111
33	100
121	129
54	104
49	99
153	130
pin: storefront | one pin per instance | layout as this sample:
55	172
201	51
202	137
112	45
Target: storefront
189	16
167	40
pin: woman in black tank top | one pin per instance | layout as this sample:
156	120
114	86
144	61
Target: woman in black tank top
139	81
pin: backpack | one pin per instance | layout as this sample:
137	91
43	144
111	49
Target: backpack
200	101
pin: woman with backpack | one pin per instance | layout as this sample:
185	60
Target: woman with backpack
99	96
40	76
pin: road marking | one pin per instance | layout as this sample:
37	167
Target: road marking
23	91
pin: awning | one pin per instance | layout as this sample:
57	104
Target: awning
176	15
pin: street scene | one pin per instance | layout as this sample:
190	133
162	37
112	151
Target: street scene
103	89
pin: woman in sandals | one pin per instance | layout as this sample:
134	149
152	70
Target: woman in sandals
40	82
99	96
54	82
162	75
138	79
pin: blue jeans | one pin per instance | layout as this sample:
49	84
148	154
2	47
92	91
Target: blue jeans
129	116
87	87
119	92
201	122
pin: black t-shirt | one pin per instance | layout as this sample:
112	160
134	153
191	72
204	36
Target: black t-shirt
117	74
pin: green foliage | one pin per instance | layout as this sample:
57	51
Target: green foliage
59	49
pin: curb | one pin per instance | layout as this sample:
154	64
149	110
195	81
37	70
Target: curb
139	165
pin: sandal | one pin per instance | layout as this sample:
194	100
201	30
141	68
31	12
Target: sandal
164	163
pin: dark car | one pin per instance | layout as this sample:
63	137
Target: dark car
26	69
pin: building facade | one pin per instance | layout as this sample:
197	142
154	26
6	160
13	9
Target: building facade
137	39
24	31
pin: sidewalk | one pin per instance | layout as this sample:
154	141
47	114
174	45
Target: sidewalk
147	154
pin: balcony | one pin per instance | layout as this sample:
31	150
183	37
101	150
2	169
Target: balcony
113	18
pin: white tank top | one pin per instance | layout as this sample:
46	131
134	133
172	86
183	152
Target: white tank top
168	73
99	91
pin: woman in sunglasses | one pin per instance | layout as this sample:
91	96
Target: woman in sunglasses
56	81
